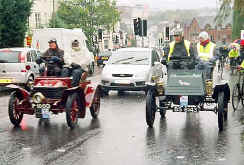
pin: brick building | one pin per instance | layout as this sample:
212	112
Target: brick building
217	33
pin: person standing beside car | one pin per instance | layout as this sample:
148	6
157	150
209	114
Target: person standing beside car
55	58
75	65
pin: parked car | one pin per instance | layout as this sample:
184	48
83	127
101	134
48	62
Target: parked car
103	56
18	66
130	69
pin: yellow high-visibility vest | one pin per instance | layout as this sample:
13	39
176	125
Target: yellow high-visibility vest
233	53
172	47
206	53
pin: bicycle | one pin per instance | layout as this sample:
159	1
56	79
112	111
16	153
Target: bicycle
233	64
238	90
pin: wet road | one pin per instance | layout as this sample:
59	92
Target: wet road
121	137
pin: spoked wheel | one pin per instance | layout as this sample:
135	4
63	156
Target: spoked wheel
95	107
236	97
71	108
241	94
150	108
221	110
14	116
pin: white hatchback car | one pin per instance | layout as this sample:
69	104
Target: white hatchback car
130	69
18	66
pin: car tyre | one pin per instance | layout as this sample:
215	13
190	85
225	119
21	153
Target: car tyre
221	110
14	116
150	108
30	83
71	108
91	68
95	107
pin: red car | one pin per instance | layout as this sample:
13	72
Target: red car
54	95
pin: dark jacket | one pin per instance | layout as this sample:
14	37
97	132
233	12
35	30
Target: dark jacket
59	53
180	50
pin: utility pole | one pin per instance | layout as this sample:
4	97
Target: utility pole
53	17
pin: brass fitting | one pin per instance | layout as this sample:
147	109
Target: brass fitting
160	87
209	87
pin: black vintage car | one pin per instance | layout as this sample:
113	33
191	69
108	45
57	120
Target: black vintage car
186	89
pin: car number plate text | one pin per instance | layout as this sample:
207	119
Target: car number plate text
5	81
42	110
122	81
184	101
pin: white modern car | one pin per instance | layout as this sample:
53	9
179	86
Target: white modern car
130	69
18	66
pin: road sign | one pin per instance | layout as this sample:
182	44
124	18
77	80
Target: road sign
242	34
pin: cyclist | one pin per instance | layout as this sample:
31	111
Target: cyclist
233	56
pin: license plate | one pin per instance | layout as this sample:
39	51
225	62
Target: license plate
184	101
6	81
122	81
42	110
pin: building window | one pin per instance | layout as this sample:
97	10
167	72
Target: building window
38	20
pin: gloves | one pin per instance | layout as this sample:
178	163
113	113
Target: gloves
55	59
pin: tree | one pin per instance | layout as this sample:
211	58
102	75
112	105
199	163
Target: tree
14	18
238	15
90	15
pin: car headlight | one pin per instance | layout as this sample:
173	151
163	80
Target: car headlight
38	97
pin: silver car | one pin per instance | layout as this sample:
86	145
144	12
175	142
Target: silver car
130	69
18	66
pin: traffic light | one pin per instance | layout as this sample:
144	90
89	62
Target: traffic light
139	27
135	22
166	34
116	39
100	34
144	27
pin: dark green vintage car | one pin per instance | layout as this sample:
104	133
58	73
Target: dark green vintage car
186	89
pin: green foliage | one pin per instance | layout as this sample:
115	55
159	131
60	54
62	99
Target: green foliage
14	17
238	15
238	24
224	11
88	15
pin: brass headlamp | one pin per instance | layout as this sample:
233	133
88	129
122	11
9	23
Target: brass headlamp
38	97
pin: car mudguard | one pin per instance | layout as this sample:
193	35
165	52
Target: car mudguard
21	92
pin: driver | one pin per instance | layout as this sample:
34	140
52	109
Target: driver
54	56
180	47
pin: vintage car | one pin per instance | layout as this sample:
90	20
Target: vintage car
54	95
186	89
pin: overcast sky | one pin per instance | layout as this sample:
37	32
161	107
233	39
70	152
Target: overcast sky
172	4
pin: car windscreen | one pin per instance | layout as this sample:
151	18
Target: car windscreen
9	57
130	57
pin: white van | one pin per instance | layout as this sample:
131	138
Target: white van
64	38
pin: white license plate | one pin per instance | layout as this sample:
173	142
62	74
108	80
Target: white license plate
122	81
184	101
45	113
42	110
